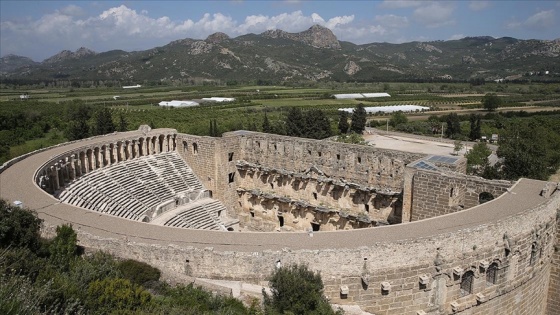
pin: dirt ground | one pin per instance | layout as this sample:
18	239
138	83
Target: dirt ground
412	145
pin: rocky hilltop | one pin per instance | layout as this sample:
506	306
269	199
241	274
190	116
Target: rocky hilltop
67	54
311	55
316	36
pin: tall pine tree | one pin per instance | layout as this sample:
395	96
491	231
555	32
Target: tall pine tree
104	122
266	125
343	122
359	119
295	123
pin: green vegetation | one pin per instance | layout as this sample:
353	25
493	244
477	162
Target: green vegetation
296	290
39	276
359	118
491	102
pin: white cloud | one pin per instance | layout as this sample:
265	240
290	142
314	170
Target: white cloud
392	21
538	21
435	14
456	36
478	5
542	19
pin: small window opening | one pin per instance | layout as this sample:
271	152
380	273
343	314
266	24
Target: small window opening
319	153
492	273
281	220
367	207
309	152
230	229
231	177
271	185
219	213
315	195
338	157
534	251
252	214
467	283
195	148
230	156
451	191
485	197
275	147
210	193
359	160
315	226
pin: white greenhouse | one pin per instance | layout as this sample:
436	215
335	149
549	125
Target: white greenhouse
389	109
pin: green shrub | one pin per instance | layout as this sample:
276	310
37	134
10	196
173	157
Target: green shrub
116	294
138	272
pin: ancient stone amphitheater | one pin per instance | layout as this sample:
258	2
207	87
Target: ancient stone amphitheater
392	232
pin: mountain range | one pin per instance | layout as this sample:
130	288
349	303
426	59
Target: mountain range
314	54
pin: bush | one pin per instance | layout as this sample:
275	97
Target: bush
116	294
138	272
296	290
18	227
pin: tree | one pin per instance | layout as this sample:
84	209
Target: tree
296	290
529	149
317	125
123	124
398	118
78	127
18	227
266	125
491	102
104	122
343	122
63	247
475	122
477	158
295	123
453	126
457	146
359	117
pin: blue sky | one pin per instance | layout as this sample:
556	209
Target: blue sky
40	29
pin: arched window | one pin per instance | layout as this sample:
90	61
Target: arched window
484	197
467	283
492	273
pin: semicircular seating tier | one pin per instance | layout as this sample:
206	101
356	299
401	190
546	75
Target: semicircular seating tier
159	188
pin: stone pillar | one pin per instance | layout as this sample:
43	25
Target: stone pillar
156	142
407	195
166	143
84	162
71	168
77	165
55	184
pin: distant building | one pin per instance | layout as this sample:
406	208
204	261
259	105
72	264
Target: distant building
132	86
24	97
178	103
360	95
389	109
218	99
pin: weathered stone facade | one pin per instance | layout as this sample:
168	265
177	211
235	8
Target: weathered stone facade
493	258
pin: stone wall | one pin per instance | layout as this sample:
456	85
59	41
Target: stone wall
553	306
435	193
361	164
390	277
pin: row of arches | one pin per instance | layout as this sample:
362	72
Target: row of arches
62	170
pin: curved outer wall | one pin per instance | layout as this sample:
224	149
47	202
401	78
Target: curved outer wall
412	268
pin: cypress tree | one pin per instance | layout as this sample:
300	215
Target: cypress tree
104	122
359	119
343	122
295	123
266	125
